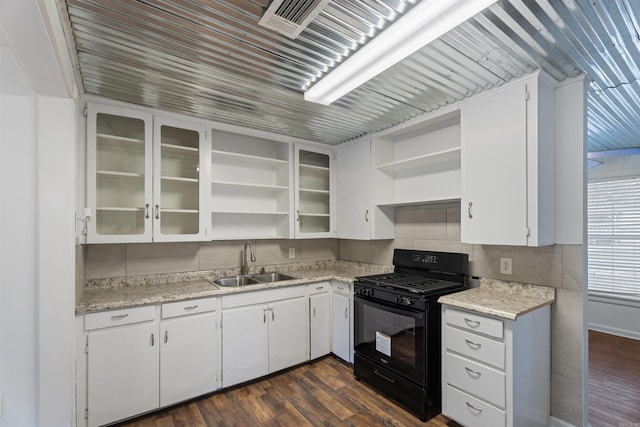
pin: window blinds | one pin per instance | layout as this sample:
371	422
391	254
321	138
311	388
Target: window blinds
614	237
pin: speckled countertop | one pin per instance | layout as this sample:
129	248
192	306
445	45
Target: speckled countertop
122	292
502	299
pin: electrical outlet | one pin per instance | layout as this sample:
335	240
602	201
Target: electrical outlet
505	265
292	252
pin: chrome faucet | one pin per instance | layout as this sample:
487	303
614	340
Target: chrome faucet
244	266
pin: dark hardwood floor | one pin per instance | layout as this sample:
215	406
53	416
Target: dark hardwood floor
614	381
325	393
321	393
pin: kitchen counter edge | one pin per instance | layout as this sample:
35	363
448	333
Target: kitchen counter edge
507	300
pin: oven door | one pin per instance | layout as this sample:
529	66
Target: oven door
391	336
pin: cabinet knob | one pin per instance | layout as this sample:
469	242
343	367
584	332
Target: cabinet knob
469	210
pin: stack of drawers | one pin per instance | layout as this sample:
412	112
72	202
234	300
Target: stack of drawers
495	371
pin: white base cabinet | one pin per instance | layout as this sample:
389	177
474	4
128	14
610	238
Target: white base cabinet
139	359
319	319
496	372
342	326
123	368
188	355
263	332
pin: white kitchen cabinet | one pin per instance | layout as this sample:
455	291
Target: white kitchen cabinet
342	327
180	181
356	216
122	364
417	162
314	194
508	165
189	350
288	333
251	191
245	344
136	363
145	183
320	319
263	332
496	372
119	174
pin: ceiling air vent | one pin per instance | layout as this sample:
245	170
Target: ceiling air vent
290	17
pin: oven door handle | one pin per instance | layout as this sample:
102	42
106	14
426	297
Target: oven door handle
393	309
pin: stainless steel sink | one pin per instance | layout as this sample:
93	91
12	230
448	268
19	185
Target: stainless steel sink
235	281
272	277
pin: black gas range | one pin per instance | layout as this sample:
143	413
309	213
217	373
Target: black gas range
397	326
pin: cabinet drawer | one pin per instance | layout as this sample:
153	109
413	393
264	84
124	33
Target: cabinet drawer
342	289
183	308
127	316
476	346
474	322
476	379
318	288
471	411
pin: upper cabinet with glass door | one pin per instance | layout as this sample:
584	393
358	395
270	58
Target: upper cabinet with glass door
119	178
314	192
144	183
180	185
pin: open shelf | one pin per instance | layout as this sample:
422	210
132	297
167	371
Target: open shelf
250	186
227	156
441	159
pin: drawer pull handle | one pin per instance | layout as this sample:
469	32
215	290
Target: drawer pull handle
383	376
191	307
146	211
473	408
346	313
153	340
340	288
472	323
473	373
119	316
166	336
319	288
314	312
473	345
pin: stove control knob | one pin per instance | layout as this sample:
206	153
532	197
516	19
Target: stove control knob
369	292
405	301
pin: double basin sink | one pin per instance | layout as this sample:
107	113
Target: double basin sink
236	281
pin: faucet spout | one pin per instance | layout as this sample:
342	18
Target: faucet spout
244	267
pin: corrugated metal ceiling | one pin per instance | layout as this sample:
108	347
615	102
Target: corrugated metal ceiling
210	59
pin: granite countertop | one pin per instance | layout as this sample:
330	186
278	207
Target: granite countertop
124	292
507	300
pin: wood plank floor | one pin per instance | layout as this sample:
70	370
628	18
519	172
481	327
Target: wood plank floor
321	393
614	381
325	393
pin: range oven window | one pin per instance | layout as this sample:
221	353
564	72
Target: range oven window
391	336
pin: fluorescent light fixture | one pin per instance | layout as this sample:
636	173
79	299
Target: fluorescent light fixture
423	24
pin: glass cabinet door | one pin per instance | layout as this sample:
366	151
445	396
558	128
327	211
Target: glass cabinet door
314	196
178	186
119	175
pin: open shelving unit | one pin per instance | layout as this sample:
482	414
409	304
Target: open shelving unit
251	183
418	164
313	210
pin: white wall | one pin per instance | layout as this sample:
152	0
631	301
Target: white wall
36	224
